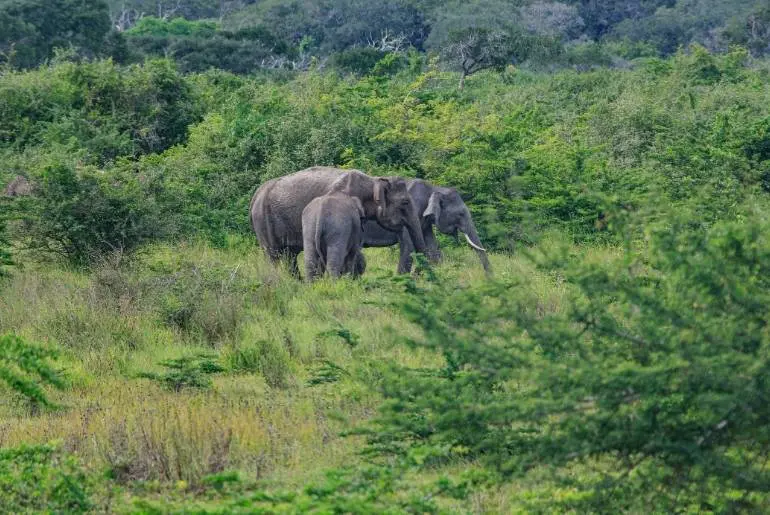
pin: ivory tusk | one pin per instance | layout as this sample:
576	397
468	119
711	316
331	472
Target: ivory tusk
482	249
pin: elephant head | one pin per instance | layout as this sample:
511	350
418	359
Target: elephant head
386	200
447	211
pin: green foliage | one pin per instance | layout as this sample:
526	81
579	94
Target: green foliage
358	60
24	366
678	24
266	357
640	388
341	24
32	29
326	372
656	372
368	488
83	214
5	244
200	45
152	26
78	104
186	372
751	31
524	152
43	478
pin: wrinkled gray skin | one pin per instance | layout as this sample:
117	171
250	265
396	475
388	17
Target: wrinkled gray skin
358	265
437	206
333	236
276	208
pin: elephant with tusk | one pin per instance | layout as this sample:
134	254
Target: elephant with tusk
276	207
439	206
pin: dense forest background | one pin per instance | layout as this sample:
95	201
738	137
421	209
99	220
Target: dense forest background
615	156
247	36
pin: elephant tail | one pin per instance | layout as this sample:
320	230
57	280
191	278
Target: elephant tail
261	216
251	212
318	248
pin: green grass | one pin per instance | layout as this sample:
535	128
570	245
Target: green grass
264	416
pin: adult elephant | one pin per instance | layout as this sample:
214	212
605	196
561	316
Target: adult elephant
276	207
439	206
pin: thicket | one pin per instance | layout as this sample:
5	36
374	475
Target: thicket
654	377
530	151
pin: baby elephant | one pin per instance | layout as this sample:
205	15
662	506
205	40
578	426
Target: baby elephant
332	236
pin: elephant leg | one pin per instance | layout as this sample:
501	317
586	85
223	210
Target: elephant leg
406	248
433	252
335	260
357	264
351	264
313	266
275	255
292	257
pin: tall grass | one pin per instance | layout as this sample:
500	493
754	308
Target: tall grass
264	416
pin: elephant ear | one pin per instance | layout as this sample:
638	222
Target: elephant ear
360	207
380	190
433	210
361	212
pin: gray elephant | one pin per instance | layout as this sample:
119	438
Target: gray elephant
438	206
333	236
276	208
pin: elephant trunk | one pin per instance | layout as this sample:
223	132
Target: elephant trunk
415	232
472	236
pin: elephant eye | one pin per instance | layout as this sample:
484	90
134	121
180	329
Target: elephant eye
405	202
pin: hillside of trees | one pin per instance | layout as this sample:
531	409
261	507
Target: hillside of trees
615	156
246	36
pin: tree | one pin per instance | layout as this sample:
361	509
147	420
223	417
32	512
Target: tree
552	19
30	30
752	31
336	25
472	50
649	394
600	16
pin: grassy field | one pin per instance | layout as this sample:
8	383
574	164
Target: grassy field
264	416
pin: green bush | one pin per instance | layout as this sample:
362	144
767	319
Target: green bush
186	372
23	366
43	479
70	103
243	51
268	358
357	60
206	303
655	374
83	214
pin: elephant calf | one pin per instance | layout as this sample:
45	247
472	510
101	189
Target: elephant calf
332	236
